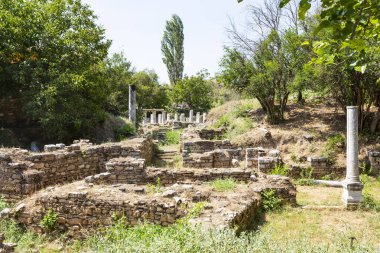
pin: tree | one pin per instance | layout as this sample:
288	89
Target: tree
193	92
49	56
172	49
118	74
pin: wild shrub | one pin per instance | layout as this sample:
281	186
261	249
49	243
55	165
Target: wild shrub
49	220
369	203
224	185
280	169
125	131
173	137
270	201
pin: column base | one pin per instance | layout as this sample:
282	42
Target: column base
352	194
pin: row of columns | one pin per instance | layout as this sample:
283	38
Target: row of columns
161	117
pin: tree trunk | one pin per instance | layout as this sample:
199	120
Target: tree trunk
375	121
299	98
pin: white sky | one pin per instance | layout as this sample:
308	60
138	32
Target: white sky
136	28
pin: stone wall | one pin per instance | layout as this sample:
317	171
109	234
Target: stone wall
202	146
78	210
35	171
374	162
133	171
320	166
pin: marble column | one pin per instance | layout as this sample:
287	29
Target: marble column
204	117
132	104
160	118
164	117
198	118
191	115
175	116
352	187
182	117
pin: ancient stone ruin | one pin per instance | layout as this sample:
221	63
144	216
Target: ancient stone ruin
88	186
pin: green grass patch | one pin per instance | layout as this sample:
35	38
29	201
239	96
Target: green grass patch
173	137
224	185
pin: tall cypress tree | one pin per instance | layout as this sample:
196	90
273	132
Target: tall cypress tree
172	48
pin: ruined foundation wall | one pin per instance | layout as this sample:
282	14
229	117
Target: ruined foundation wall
133	171
38	170
77	210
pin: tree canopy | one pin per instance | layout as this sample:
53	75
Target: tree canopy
172	48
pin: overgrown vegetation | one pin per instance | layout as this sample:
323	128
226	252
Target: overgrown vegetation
173	137
224	185
334	144
125	131
280	169
49	220
270	201
238	120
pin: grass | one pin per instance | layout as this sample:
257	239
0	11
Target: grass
280	169
288	230
331	148
235	117
224	185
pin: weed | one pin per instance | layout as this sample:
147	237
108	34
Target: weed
49	220
332	147
305	182
154	188
280	169
365	168
270	201
294	158
3	204
306	173
369	203
224	185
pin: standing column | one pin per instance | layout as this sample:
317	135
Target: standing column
191	115
175	117
151	118
160	118
168	117
154	117
132	104
182	117
198	118
204	117
163	117
352	187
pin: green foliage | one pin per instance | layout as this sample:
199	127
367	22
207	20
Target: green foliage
49	58
195	92
155	188
224	185
365	168
125	131
173	137
172	49
369	203
267	72
3	204
280	169
49	220
332	146
237	121
305	182
270	201
25	240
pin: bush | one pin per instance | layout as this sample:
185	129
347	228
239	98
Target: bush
369	203
270	201
49	220
125	131
173	137
223	185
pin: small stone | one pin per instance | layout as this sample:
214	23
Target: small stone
139	190
253	178
20	208
308	137
5	213
169	193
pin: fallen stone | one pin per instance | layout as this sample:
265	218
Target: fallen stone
169	193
